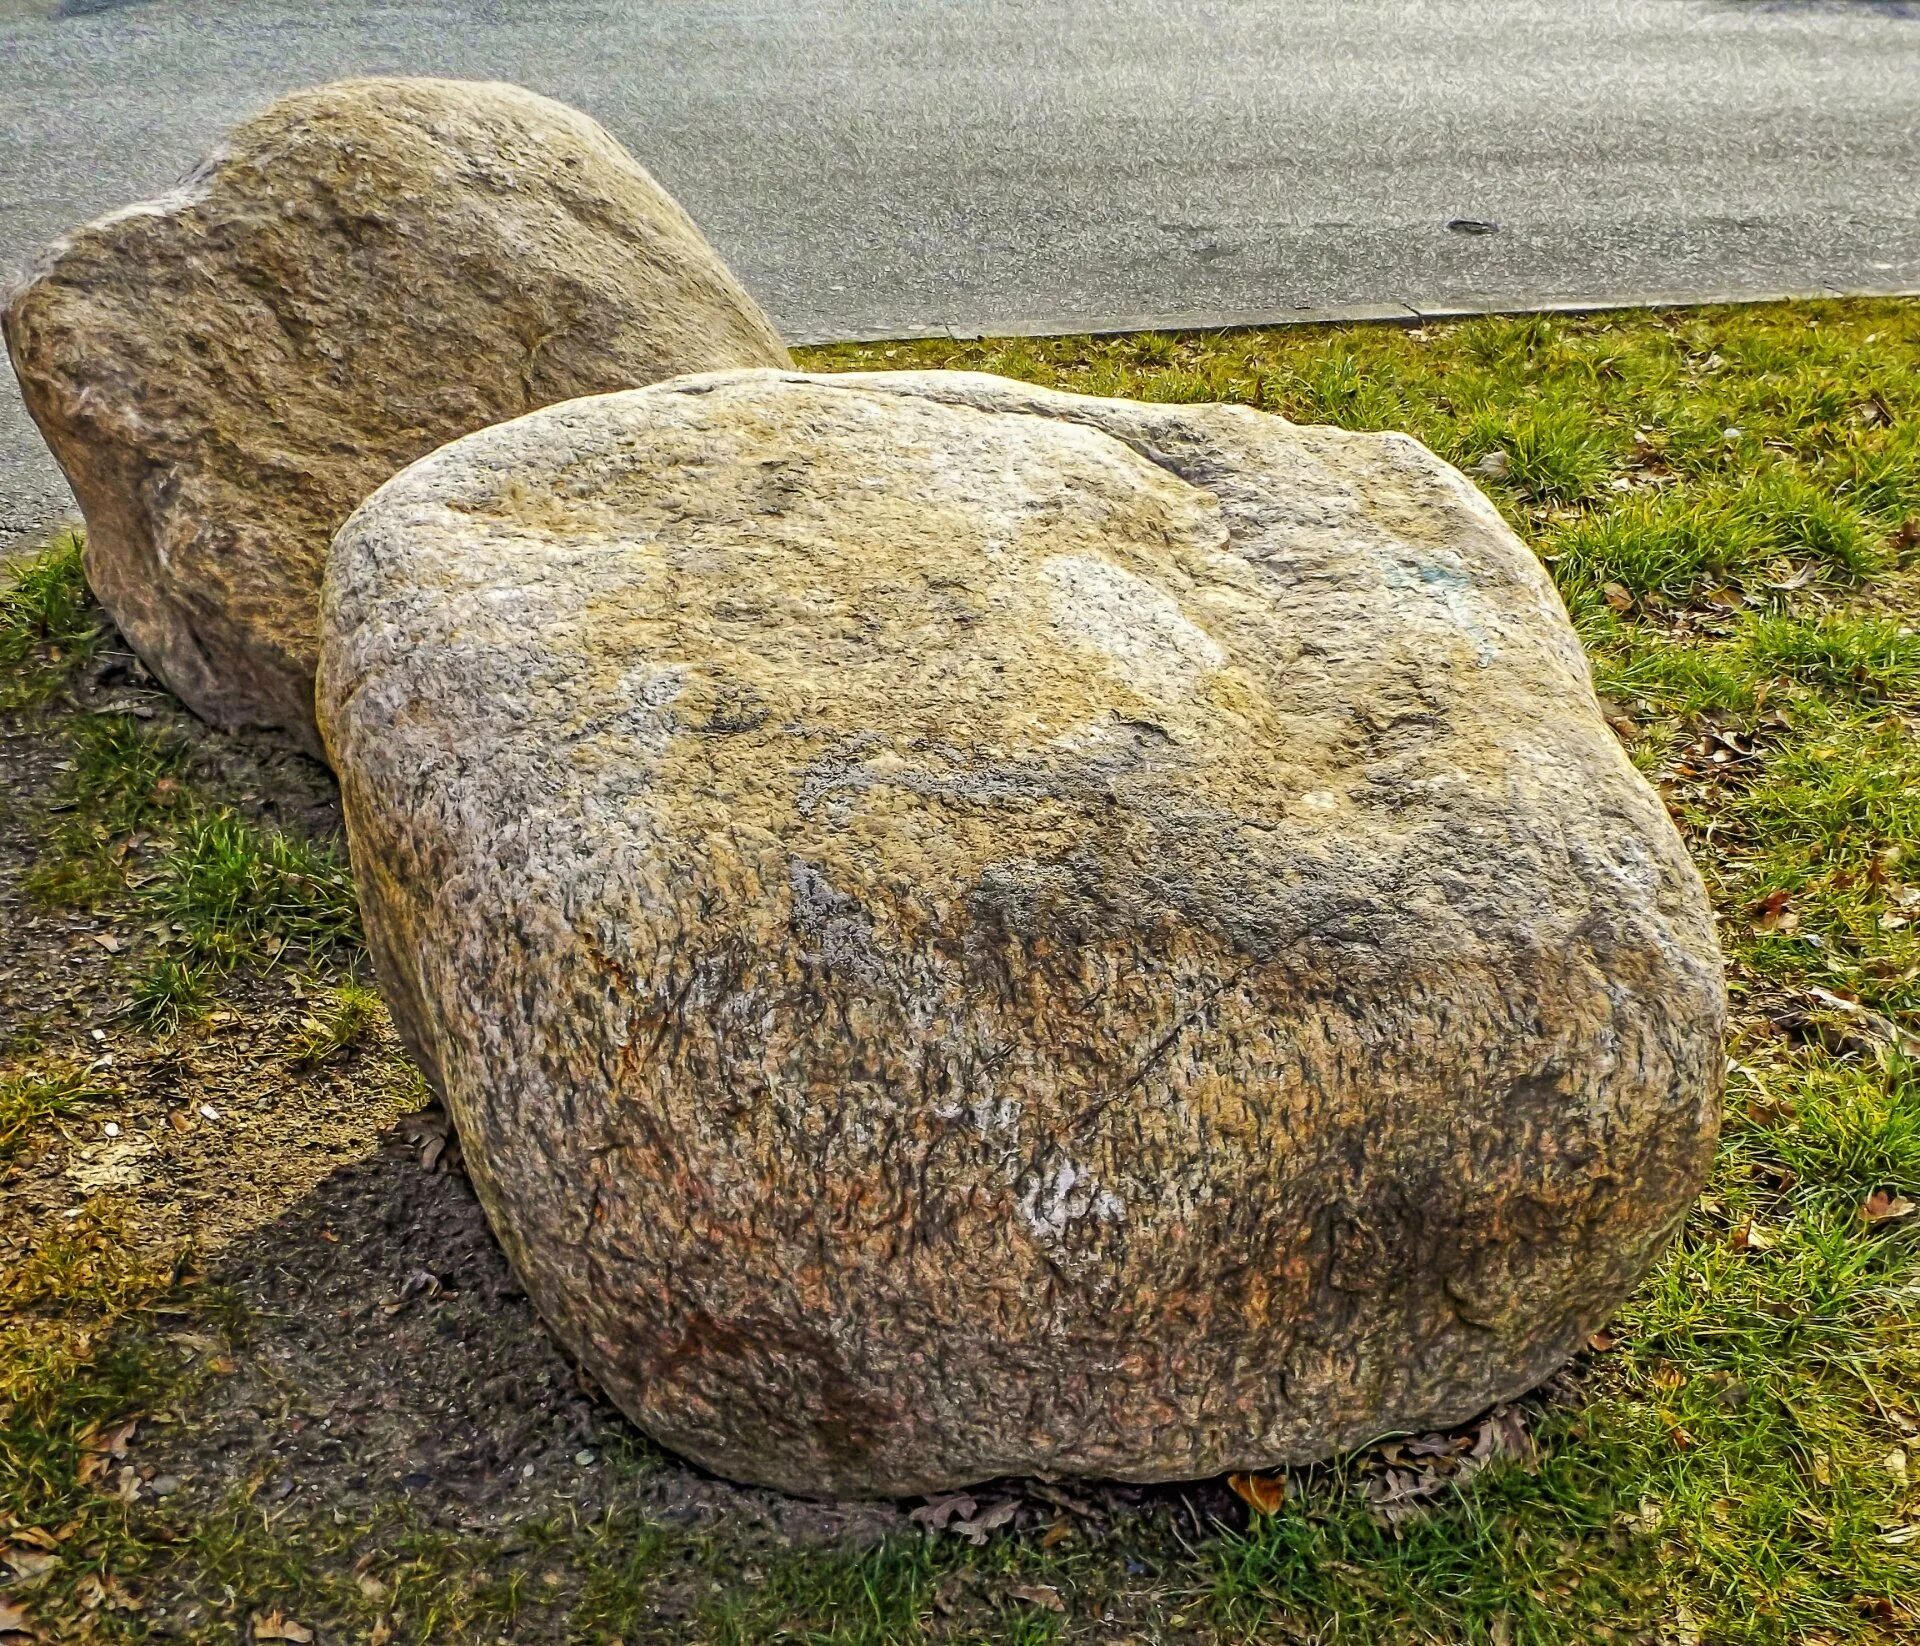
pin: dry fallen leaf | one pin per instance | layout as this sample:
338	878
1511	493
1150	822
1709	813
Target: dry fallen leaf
13	1618
1618	597
94	1593
975	1529
1264	1494
937	1511
1437	1445
30	1566
115	1441
1751	1237
957	1512
1504	1434
1039	1594
1401	1494
1883	1206
275	1626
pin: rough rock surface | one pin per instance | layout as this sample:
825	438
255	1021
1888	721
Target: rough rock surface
971	930
363	272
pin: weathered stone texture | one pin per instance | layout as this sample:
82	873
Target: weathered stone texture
971	930
362	272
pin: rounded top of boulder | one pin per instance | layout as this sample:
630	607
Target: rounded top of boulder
1004	606
357	274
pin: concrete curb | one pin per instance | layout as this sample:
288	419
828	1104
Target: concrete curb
1396	313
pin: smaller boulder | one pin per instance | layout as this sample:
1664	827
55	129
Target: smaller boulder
359	274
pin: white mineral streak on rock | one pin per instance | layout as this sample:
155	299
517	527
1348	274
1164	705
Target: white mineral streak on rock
1051	1200
1147	639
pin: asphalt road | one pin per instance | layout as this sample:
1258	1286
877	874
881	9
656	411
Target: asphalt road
884	167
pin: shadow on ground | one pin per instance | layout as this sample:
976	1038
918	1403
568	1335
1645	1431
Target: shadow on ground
387	1353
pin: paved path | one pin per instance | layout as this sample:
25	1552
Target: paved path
879	167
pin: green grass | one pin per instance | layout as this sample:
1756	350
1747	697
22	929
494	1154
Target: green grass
131	829
1729	500
227	885
231	890
30	1098
342	1017
128	813
1874	656
47	623
169	991
76	1358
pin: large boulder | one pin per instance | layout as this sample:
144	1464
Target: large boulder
971	930
359	274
